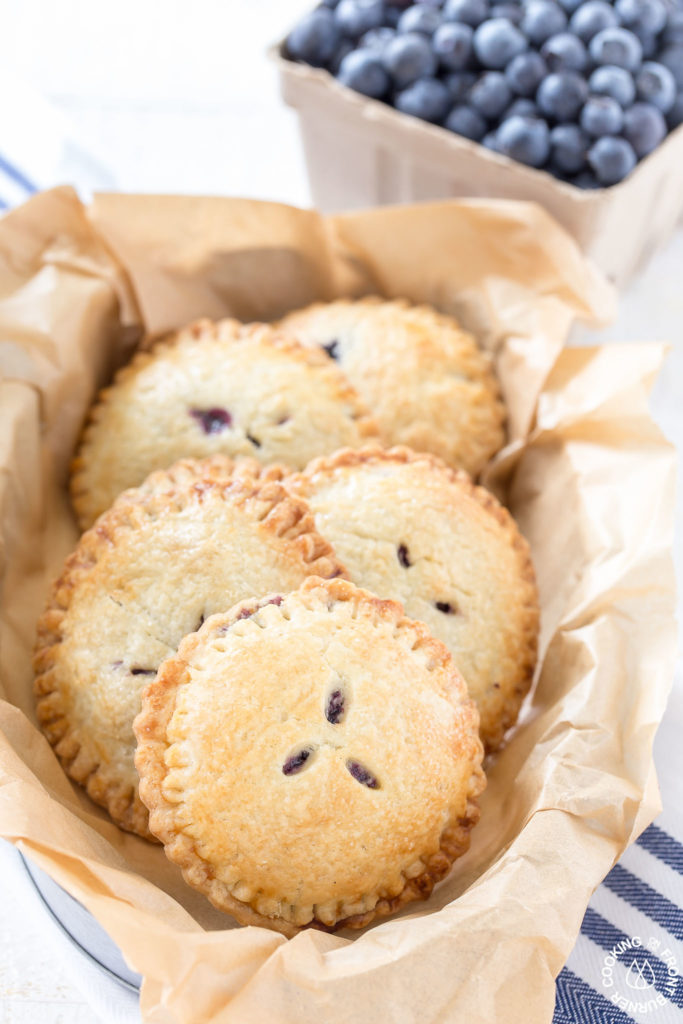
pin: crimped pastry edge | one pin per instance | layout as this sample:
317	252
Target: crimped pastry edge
228	330
158	704
298	484
287	516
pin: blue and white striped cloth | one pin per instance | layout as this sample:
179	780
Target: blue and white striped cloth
627	965
15	184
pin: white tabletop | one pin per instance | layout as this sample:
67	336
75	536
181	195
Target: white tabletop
179	97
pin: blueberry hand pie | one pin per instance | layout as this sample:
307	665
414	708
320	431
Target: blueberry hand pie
214	388
150	571
410	528
310	759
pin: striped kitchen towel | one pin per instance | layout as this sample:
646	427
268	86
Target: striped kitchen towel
15	184
627	965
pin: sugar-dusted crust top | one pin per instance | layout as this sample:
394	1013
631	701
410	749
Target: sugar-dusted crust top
425	379
149	572
408	527
310	758
214	388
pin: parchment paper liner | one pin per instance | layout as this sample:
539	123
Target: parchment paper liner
586	473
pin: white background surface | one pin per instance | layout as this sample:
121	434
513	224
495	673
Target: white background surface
179	97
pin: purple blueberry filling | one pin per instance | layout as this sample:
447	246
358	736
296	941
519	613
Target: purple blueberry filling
332	349
247	613
335	707
403	557
362	774
143	671
296	762
254	440
446	607
212	421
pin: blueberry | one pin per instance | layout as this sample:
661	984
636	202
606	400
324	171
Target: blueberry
328	3
672	58
345	47
569	5
615	82
542	19
649	44
591	18
656	85
427	98
526	139
392	15
611	159
647	16
452	44
525	73
490	140
586	180
491	94
617	46
469	12
675	116
459	84
523	107
363	71
354	17
377	38
673	33
497	41
568	147
314	38
644	127
420	18
601	115
514	12
409	57
564	52
465	121
561	95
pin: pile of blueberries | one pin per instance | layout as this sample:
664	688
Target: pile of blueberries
581	88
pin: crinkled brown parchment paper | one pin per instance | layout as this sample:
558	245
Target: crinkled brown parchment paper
587	475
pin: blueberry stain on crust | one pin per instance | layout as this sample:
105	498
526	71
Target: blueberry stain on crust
332	349
212	421
362	774
296	762
334	708
403	557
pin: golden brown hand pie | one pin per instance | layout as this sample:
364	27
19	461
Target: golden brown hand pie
310	758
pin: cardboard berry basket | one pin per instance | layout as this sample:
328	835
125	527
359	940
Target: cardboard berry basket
361	153
587	475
